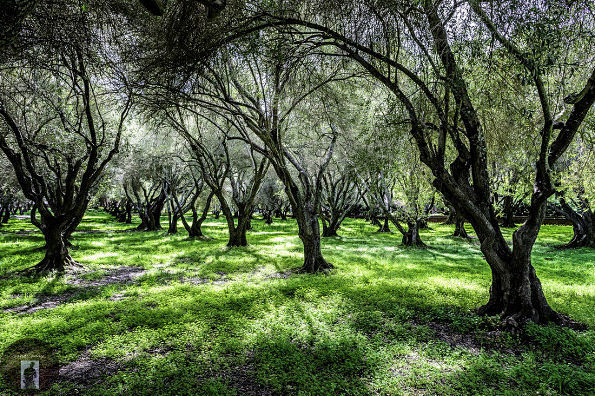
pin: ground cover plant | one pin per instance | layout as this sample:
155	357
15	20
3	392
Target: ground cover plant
156	313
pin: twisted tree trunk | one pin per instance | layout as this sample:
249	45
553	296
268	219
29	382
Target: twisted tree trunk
411	237
583	224
309	233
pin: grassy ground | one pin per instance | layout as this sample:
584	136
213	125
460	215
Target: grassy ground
192	317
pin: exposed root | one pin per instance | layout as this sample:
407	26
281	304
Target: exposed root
49	265
516	322
319	266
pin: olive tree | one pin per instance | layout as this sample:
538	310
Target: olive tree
62	114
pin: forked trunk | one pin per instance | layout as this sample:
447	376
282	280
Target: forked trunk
516	294
237	233
412	237
195	230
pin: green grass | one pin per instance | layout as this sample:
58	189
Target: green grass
205	319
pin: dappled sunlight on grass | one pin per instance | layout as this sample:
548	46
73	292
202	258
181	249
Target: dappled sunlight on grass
198	312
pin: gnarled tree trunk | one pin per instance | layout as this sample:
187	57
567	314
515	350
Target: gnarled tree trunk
516	294
309	233
460	227
583	223
329	229
57	257
411	236
57	231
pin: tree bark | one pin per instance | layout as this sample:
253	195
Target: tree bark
237	236
56	232
173	225
150	214
56	255
237	233
583	225
460	227
6	215
329	229
384	227
508	209
195	230
309	233
516	294
412	237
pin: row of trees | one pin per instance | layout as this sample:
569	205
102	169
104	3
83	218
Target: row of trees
392	97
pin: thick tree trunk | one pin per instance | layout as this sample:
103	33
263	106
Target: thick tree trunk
516	294
384	227
329	230
57	257
151	215
309	233
195	230
412	237
330	226
237	236
460	227
237	233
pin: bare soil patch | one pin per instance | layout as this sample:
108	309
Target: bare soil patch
87	371
120	276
